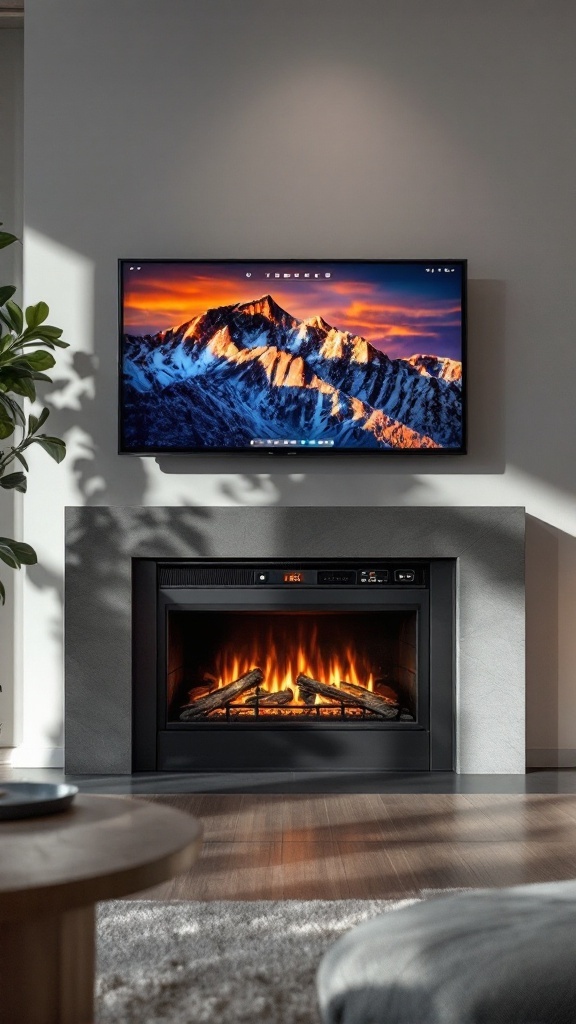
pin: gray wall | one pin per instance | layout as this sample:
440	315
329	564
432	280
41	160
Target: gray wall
315	128
11	128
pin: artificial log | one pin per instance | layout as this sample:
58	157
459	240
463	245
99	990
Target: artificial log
353	688
309	699
355	696
220	698
271	700
310	687
380	705
197	692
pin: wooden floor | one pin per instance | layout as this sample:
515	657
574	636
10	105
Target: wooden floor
273	847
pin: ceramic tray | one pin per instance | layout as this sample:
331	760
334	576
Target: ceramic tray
29	799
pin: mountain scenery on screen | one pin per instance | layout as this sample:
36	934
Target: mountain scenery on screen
251	370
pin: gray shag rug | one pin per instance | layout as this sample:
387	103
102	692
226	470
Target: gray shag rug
218	962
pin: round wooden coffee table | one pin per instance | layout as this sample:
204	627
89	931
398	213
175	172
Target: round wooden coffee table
53	870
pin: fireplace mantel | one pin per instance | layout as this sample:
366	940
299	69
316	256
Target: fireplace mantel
488	544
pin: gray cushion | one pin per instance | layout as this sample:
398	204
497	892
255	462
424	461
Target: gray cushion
495	956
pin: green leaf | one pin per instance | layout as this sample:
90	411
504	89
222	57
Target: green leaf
55	447
7	555
57	341
15	315
5	342
52	332
35	422
24	552
36	315
14	482
11	408
2	593
6	428
20	384
34	341
46	335
39	360
6	239
18	455
15	553
28	389
22	366
6	320
6	292
16	366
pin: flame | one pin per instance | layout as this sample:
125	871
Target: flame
284	653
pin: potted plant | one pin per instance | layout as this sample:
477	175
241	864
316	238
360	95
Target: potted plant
25	341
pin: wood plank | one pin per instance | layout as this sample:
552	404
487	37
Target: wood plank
259	818
218	811
371	846
373	872
313	871
305	819
359	817
235	871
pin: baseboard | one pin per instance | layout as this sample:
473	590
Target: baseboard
30	755
542	757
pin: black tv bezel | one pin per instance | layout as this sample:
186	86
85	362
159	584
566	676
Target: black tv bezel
315	453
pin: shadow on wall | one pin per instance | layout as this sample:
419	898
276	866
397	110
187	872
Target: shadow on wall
98	620
107	551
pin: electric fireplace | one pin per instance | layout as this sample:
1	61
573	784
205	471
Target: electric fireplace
284	665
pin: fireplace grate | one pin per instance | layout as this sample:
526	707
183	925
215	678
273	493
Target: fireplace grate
235	710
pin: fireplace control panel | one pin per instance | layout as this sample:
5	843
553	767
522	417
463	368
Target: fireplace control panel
181	575
393	575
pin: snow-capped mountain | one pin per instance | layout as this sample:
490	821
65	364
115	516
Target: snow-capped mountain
252	370
437	366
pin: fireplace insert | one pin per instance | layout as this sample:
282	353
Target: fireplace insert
293	666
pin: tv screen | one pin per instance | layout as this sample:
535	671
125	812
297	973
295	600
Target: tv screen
280	357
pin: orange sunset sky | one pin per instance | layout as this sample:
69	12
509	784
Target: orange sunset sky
400	308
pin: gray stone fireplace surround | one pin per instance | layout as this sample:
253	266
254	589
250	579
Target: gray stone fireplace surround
488	544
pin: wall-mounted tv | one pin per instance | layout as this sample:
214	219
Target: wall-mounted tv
292	356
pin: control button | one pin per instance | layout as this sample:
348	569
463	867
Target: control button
261	577
404	575
374	576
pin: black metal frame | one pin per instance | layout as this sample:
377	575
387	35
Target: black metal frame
368	744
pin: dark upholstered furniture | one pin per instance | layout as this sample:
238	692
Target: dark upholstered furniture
498	956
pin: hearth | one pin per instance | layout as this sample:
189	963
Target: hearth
284	665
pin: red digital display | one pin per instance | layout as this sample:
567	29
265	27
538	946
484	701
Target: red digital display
293	577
